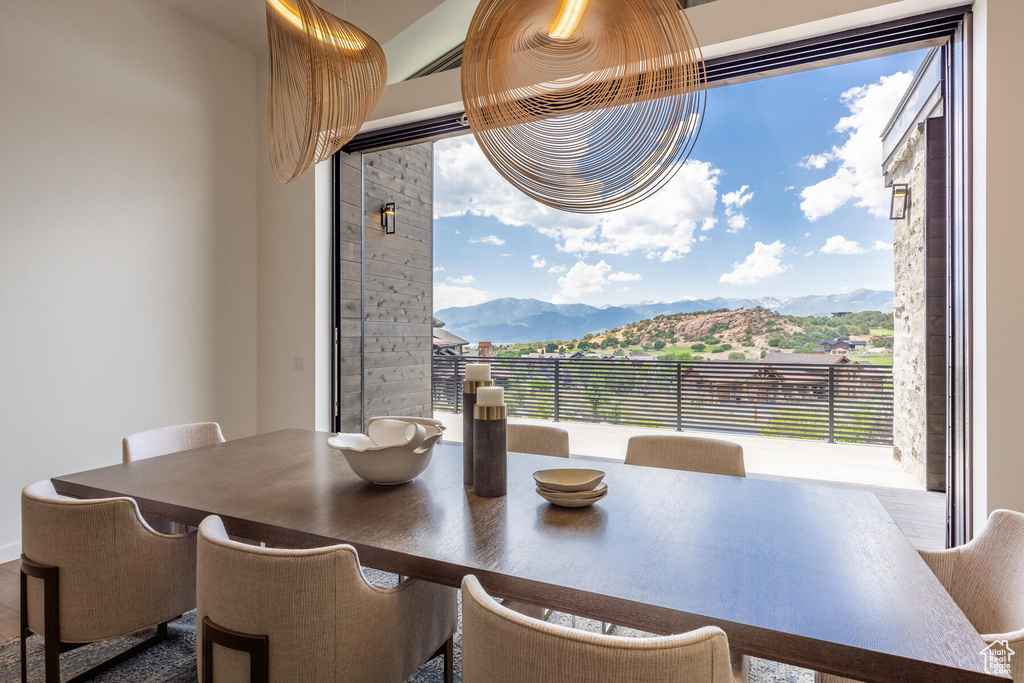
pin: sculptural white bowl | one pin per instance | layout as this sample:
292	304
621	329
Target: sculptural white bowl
392	451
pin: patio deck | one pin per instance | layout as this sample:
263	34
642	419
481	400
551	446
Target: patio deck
921	515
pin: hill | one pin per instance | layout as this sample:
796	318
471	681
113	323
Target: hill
511	320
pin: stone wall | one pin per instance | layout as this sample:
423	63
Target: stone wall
909	343
387	285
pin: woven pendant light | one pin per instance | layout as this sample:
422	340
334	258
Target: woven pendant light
587	107
326	76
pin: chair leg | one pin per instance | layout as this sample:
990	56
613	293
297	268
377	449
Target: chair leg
24	627
257	646
449	659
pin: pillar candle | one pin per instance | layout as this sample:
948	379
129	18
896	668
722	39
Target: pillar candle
490	396
478	372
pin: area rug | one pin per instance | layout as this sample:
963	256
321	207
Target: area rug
174	660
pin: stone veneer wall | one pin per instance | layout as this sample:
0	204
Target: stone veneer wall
909	343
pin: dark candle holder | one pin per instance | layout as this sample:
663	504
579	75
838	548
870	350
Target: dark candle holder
490	451
469	388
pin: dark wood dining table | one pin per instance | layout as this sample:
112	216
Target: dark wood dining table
808	575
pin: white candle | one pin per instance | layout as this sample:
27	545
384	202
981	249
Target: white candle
490	396
478	372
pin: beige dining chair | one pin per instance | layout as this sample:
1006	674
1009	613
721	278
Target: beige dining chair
538	440
163	441
174	439
92	570
277	616
689	453
500	645
985	578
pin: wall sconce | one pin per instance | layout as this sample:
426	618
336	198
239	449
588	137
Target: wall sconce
900	201
387	218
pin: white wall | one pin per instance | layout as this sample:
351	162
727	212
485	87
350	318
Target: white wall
293	290
127	234
998	251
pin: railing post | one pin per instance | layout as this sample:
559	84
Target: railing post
455	383
558	384
679	396
831	404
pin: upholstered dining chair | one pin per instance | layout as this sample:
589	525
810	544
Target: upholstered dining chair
985	577
503	646
174	439
538	439
163	441
689	453
270	615
92	570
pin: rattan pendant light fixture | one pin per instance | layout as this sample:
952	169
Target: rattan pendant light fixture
326	76
587	106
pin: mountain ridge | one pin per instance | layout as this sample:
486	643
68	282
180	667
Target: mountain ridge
510	320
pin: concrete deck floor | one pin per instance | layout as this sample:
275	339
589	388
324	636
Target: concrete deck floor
921	515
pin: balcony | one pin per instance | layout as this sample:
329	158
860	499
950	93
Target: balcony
829	425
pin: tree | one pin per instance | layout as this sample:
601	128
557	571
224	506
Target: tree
588	337
737	355
775	342
697	347
659	345
764	352
725	347
609	343
551	347
584	346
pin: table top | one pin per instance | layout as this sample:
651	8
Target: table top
808	575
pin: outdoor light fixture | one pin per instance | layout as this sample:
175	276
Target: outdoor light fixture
900	201
387	218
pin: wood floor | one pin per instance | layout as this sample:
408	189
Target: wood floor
10	598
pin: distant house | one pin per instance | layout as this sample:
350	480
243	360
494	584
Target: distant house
484	349
807	358
839	346
444	342
841	314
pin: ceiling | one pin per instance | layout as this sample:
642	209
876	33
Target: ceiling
244	22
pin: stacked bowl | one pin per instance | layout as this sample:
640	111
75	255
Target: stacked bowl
571	488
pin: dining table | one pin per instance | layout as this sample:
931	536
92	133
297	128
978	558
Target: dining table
809	575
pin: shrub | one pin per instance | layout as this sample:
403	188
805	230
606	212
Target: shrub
659	345
737	355
697	347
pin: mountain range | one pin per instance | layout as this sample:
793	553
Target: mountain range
510	320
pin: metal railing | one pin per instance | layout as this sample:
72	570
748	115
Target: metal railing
835	403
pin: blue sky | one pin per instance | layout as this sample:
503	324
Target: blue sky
781	196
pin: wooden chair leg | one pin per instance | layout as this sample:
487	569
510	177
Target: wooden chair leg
24	627
257	646
447	651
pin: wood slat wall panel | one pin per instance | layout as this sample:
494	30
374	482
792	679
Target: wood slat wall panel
386	348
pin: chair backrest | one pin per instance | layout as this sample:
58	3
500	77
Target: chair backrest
538	439
986	576
116	575
500	645
319	612
689	453
164	440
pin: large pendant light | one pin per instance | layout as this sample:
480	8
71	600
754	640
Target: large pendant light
586	106
326	76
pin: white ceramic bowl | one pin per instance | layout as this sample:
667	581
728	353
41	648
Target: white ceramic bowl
568	480
574	500
392	451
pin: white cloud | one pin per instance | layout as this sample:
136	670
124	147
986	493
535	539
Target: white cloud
809	253
734	202
438	269
538	262
446	295
557	269
788	188
490	239
807	234
465	183
584	278
817	161
703	238
464	280
624	277
859	176
879	245
837	244
764	261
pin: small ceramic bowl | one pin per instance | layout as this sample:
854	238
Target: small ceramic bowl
568	480
574	500
392	451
